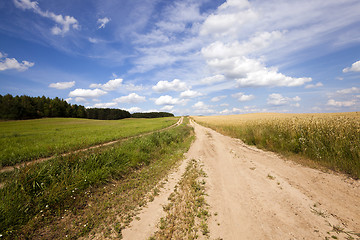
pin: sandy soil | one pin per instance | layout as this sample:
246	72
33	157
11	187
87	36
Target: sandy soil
255	194
149	216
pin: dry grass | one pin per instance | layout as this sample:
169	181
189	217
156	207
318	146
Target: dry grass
187	212
331	139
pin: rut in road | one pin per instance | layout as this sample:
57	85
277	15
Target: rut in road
255	194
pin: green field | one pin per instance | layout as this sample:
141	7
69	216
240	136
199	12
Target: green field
27	140
36	195
330	139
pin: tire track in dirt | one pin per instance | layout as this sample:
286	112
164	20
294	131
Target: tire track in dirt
255	194
11	168
151	214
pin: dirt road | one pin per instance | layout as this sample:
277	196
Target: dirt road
255	194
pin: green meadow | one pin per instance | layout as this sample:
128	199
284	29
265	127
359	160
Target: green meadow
36	195
26	140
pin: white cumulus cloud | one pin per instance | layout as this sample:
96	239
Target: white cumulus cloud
87	93
190	94
200	105
241	97
270	77
229	19
355	67
252	73
277	99
202	108
105	105
334	103
259	41
111	85
217	98
168	100
175	85
167	108
133	87
349	90
133	109
319	84
81	100
62	85
131	98
12	63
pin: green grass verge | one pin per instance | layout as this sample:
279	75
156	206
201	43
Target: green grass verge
37	193
27	140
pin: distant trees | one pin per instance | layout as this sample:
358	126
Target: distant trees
25	107
107	113
152	115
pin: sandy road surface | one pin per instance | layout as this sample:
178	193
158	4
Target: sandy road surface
257	195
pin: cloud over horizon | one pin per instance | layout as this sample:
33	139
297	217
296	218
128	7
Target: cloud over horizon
62	85
87	93
185	56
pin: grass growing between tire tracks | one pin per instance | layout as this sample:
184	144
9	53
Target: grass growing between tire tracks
187	212
90	190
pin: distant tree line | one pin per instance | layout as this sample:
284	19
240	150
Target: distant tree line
152	115
107	113
25	107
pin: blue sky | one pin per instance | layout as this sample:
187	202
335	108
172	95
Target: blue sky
196	57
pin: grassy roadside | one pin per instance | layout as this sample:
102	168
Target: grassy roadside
27	140
187	212
330	140
89	190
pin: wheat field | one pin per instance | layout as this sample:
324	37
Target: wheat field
330	139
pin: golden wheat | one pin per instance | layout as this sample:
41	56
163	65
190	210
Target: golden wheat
331	139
